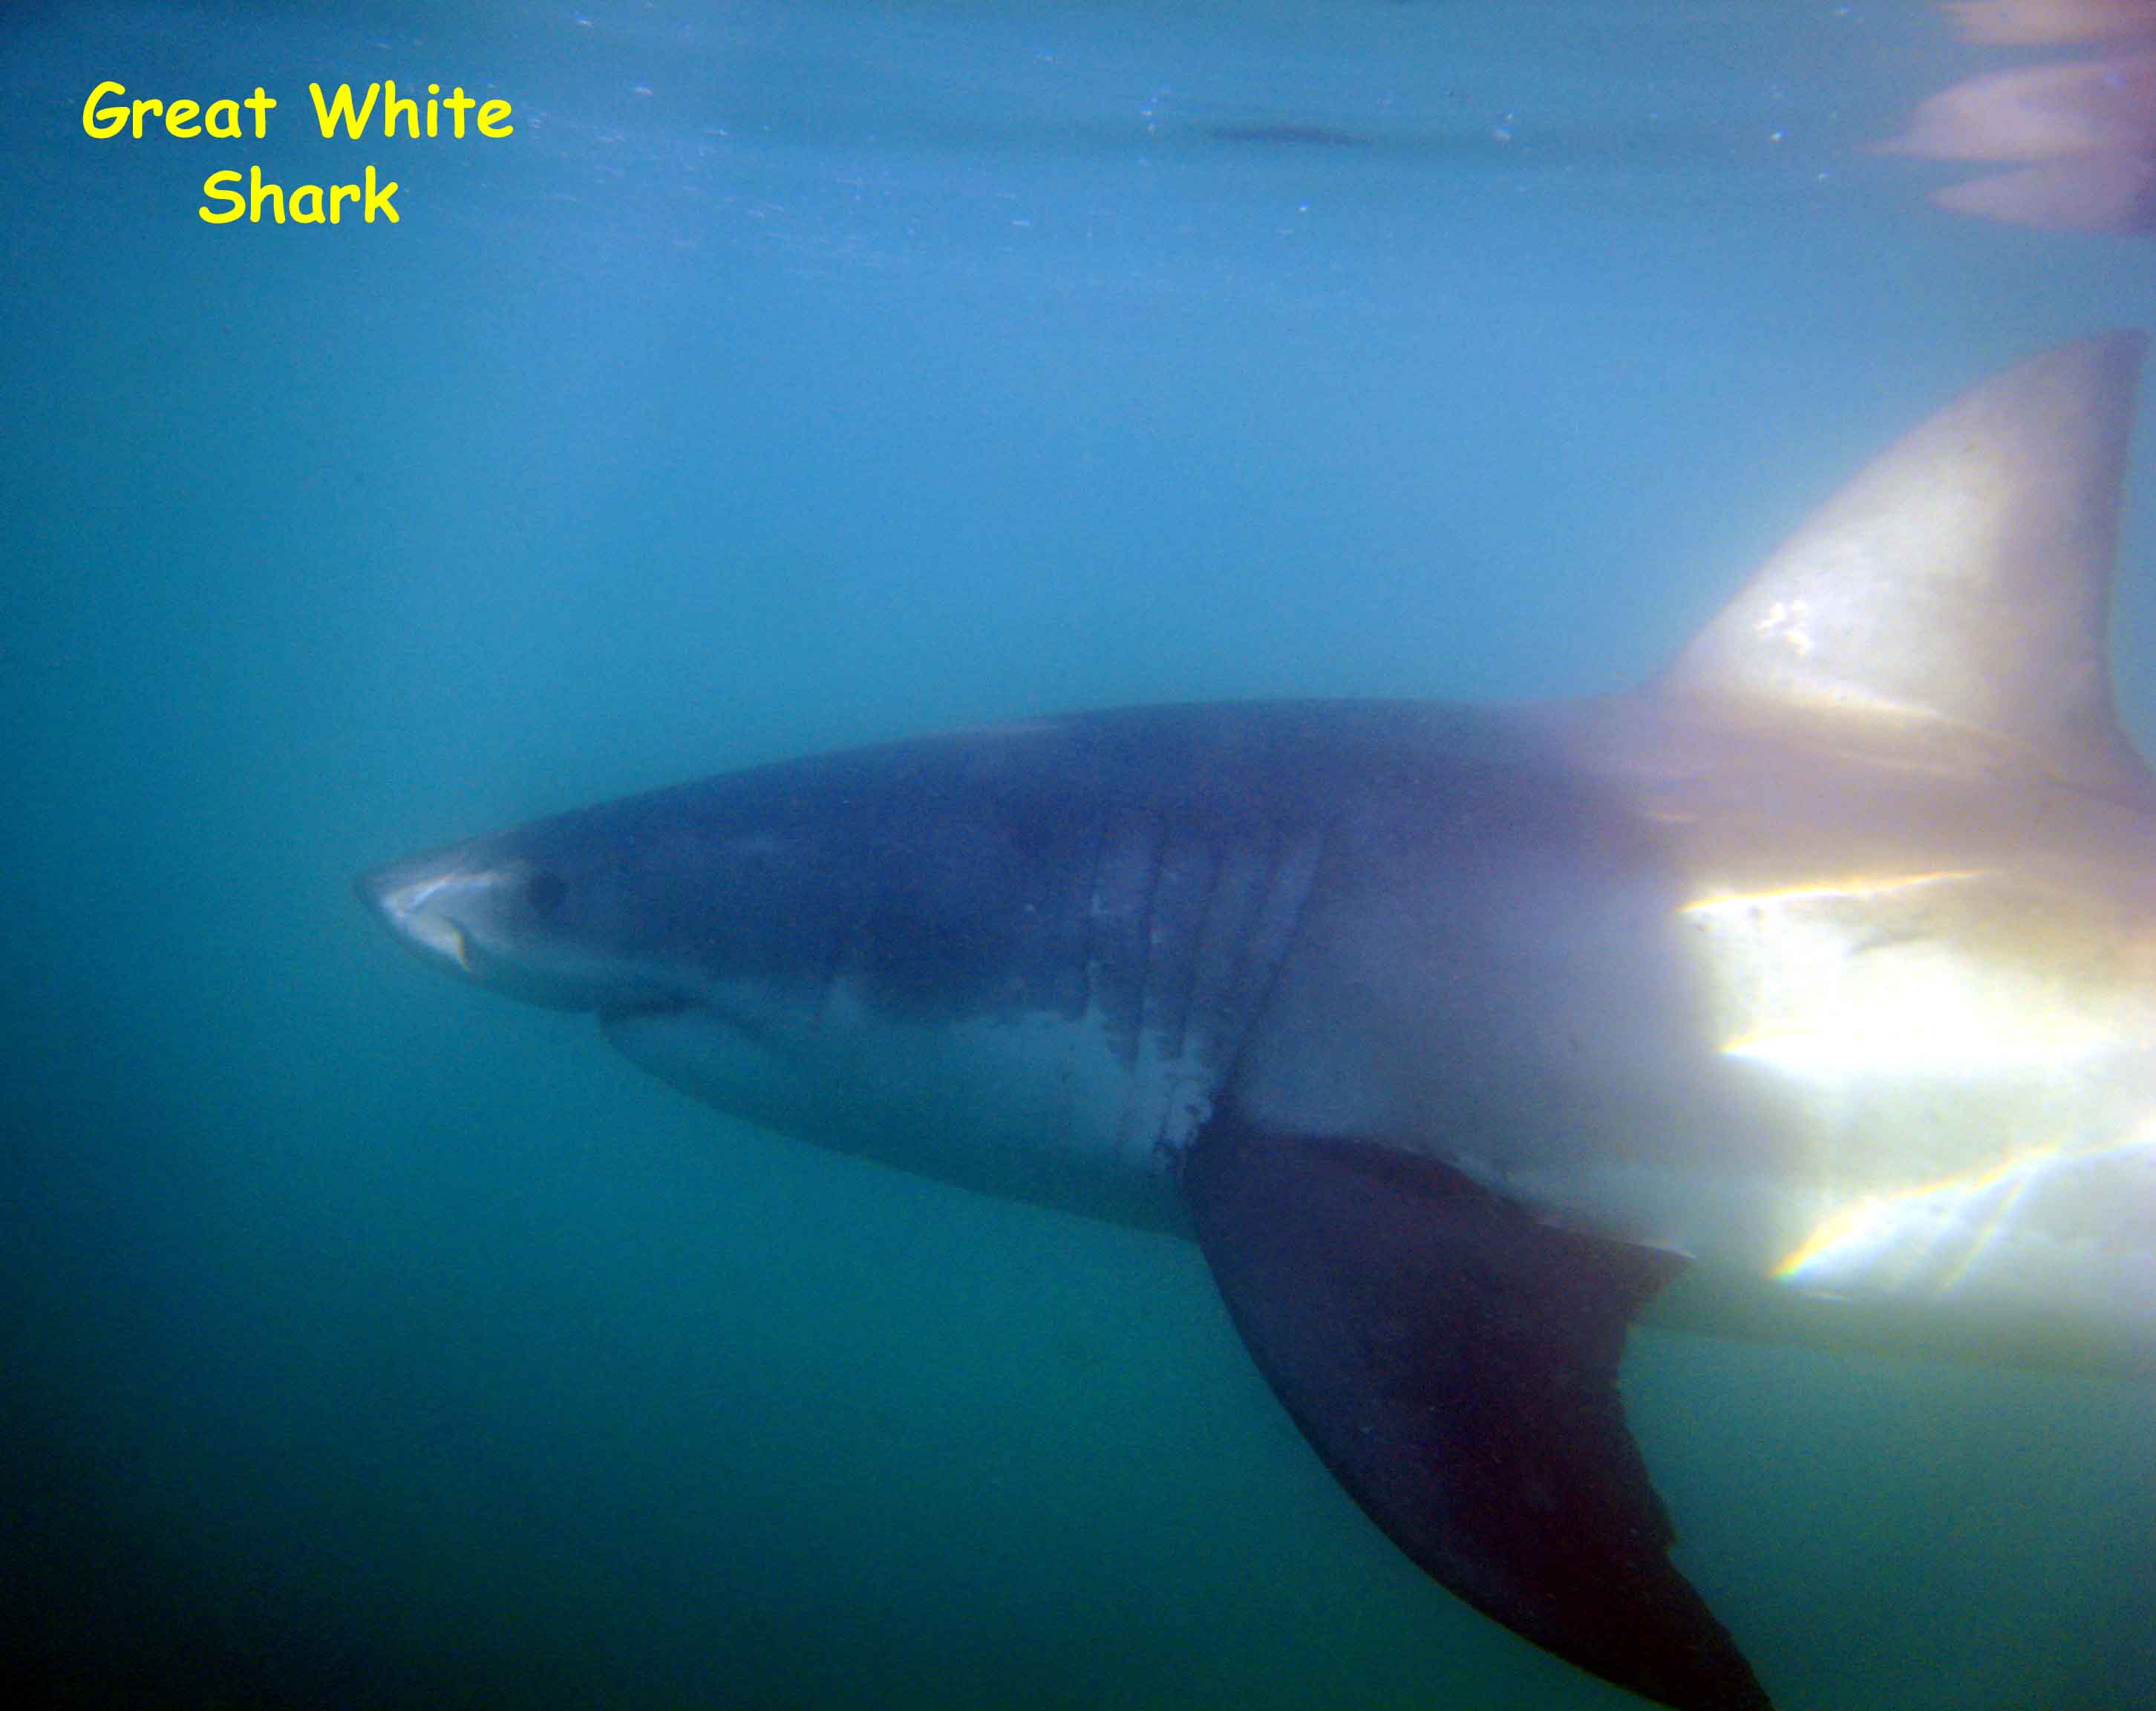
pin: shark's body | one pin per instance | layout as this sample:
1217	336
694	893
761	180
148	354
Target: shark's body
1811	990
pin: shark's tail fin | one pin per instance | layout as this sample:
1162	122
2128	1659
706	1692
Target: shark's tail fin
1955	595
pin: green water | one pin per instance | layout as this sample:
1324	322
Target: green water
799	375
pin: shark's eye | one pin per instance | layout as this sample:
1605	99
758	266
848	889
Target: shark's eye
544	891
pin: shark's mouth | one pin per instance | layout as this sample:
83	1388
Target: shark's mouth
641	1007
652	1008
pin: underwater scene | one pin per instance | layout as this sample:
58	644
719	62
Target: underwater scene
1418	967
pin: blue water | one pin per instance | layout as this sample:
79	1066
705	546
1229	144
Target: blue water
802	374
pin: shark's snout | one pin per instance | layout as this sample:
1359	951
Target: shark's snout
432	904
505	917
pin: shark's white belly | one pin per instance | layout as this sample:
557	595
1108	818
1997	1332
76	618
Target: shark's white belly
1037	1107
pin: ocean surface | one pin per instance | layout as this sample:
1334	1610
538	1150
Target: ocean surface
798	374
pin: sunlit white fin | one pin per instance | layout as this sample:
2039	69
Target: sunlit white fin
1955	594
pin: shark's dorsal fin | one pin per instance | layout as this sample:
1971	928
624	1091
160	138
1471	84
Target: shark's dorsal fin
1955	594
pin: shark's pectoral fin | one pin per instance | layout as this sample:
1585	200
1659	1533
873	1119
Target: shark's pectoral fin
1454	1361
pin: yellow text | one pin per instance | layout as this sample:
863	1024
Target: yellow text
344	111
179	117
307	204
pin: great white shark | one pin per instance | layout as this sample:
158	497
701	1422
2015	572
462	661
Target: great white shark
1808	991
